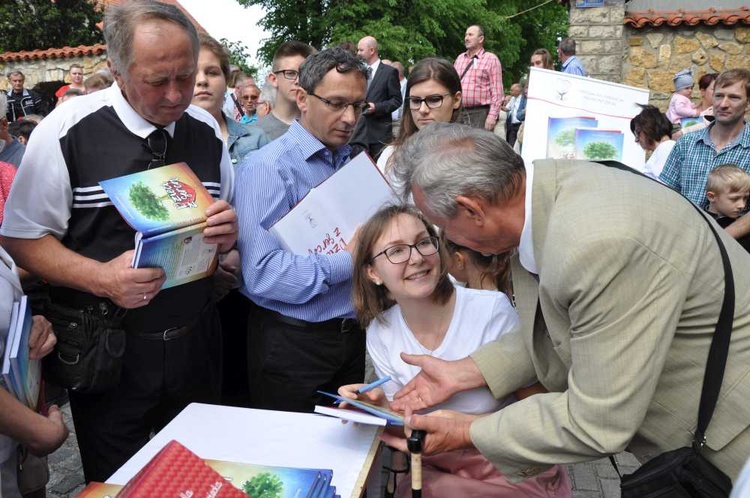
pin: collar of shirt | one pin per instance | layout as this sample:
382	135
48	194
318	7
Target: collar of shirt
526	245
374	67
742	139
131	119
568	62
310	146
478	54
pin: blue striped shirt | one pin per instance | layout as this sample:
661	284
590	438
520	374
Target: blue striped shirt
694	156
270	182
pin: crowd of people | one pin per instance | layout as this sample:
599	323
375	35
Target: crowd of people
529	315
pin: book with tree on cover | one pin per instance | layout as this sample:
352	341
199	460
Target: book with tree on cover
257	481
21	375
166	206
326	218
378	415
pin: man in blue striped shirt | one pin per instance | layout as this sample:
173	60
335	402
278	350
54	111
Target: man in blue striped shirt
302	336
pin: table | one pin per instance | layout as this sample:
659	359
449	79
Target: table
267	437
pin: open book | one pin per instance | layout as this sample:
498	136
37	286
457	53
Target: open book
361	412
21	376
327	217
166	206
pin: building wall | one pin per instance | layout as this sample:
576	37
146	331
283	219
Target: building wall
655	54
598	32
54	69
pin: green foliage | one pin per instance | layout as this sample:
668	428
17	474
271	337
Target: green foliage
264	485
409	30
239	54
566	137
147	203
42	24
600	151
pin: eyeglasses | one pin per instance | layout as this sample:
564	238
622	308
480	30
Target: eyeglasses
340	105
157	145
401	253
432	101
289	74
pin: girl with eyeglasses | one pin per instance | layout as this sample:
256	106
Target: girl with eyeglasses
403	295
432	95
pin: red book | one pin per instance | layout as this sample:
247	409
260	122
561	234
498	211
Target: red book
178	472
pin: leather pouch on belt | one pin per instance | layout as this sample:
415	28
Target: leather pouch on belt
90	345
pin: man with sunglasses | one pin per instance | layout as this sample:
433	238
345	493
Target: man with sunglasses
63	229
303	337
283	77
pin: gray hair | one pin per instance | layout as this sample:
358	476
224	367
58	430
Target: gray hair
317	65
567	46
268	94
16	72
446	160
121	20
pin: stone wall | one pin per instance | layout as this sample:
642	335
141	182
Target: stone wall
655	54
598	32
53	69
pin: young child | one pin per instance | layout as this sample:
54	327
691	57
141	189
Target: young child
680	105
727	190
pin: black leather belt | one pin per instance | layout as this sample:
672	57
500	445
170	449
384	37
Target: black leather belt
341	325
166	335
486	106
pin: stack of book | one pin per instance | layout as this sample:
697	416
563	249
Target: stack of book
20	376
177	471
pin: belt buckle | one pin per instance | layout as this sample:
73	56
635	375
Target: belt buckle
347	324
168	335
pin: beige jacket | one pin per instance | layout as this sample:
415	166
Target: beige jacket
617	327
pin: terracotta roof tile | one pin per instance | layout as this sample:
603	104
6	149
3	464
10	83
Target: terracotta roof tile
54	53
711	16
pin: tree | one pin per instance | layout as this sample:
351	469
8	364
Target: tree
598	151
42	24
264	485
239	54
566	137
145	201
409	30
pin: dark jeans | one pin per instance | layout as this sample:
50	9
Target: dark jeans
289	363
159	379
512	133
235	310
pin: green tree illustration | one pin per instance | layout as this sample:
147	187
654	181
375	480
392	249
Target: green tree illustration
147	203
264	485
566	137
600	150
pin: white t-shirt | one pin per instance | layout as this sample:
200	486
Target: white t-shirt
479	317
658	158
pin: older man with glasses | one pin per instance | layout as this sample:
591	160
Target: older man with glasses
60	226
304	337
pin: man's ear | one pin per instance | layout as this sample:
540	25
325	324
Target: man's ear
302	100
472	208
711	196
273	79
115	74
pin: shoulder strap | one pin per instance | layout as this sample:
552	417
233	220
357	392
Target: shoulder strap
719	350
471	63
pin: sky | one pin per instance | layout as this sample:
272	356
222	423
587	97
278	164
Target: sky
228	19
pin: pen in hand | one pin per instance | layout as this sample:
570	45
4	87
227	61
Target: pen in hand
372	385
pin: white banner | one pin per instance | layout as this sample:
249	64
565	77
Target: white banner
573	117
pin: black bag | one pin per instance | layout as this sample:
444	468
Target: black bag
90	344
680	473
684	472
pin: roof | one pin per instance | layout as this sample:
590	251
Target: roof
54	53
710	16
83	50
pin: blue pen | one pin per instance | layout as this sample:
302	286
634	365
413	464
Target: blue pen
373	385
